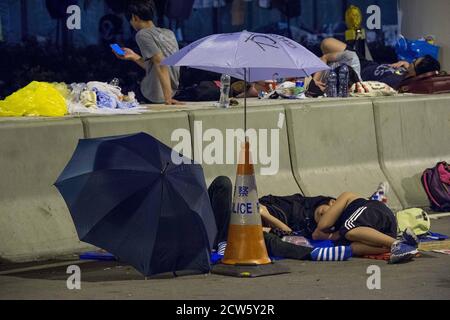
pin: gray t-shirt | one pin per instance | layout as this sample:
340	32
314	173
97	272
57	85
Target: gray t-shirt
152	41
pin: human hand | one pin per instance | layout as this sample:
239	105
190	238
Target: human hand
322	86
400	64
172	102
129	55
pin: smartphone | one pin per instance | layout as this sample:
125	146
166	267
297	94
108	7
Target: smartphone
117	49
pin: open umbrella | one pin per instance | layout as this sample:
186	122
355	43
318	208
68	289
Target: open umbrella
249	56
126	195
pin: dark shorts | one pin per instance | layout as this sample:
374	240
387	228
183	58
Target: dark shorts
373	214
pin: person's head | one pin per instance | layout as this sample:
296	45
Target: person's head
322	208
140	13
423	65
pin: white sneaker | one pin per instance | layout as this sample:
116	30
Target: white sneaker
381	193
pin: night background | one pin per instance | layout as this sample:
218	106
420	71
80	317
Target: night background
36	45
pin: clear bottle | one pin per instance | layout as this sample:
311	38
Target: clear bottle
115	82
225	86
331	90
343	81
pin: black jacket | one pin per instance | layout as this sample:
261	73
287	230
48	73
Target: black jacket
296	211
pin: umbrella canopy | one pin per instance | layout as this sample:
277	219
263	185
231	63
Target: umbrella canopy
249	56
126	196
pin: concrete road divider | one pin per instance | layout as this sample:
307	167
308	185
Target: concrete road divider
270	152
333	148
413	134
161	125
34	221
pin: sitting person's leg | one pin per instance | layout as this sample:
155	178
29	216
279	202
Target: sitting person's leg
332	45
221	196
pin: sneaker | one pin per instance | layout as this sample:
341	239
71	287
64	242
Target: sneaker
410	238
381	193
402	252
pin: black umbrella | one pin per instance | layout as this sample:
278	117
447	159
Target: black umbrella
126	196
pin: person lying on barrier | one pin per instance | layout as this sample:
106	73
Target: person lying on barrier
391	74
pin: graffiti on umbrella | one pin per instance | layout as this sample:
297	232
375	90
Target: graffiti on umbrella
263	41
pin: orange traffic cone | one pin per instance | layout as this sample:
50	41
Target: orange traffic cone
245	245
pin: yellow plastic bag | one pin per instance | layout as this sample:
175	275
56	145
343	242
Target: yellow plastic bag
36	99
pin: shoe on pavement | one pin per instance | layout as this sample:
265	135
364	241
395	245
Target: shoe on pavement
402	252
410	238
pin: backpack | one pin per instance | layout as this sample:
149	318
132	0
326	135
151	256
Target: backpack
427	83
414	218
436	183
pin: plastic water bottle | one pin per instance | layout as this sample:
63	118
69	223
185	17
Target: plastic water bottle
331	90
299	87
343	81
224	101
115	82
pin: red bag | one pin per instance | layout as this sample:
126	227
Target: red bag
436	183
427	83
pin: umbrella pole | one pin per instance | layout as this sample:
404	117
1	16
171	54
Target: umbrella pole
245	103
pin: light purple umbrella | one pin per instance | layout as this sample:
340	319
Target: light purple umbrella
249	56
261	56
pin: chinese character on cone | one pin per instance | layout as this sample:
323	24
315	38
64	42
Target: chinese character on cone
245	244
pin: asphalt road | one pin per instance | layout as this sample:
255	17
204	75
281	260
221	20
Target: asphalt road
427	277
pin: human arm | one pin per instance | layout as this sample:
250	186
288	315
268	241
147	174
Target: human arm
400	64
326	58
332	215
130	55
271	220
319	235
164	77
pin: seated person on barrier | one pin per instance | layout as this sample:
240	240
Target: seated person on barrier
391	74
356	226
160	82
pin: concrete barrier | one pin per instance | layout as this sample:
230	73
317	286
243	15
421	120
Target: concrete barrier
267	117
413	134
333	148
159	124
34	221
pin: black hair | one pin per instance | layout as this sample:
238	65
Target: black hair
313	204
427	64
143	9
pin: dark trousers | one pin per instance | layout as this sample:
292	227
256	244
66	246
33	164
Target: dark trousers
221	196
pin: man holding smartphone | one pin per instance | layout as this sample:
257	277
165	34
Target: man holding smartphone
160	82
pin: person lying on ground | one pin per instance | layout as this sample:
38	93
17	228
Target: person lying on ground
391	74
160	82
221	196
369	226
